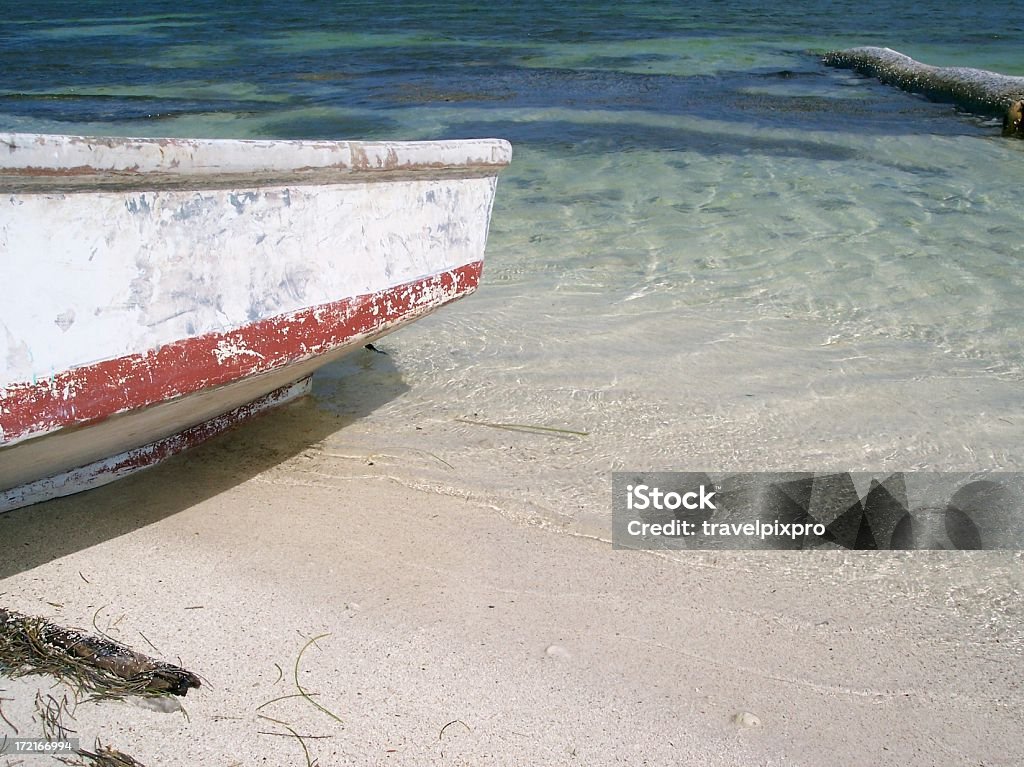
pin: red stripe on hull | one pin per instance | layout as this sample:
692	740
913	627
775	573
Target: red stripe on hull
95	392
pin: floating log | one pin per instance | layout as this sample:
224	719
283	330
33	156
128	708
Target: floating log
30	645
974	90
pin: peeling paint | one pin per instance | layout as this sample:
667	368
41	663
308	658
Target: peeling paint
137	205
239	201
107	470
65	320
89	395
170	301
227	350
74	162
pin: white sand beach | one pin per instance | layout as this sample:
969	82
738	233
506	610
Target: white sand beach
452	634
711	252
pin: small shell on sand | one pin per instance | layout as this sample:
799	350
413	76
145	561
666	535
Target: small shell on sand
746	719
557	651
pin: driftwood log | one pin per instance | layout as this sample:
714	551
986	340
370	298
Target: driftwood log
30	645
974	90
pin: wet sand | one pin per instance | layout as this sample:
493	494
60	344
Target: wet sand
454	634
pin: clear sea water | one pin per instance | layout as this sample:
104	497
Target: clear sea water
710	252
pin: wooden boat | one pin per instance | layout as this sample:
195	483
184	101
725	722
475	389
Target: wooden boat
154	292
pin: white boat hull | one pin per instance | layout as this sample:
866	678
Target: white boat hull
149	289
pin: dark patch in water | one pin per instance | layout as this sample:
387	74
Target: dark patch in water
331	126
600	138
422	95
71	107
450	59
627	62
787	74
835	203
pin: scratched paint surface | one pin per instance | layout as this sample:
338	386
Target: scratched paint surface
285	346
57	482
115	274
119	298
39	162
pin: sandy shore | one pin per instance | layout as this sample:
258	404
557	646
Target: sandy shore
455	635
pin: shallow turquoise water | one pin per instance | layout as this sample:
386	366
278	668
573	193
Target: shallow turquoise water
710	252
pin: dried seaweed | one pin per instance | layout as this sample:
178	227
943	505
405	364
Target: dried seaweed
307	696
51	713
3	716
99	667
103	756
529	428
304	693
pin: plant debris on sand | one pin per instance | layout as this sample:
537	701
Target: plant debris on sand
105	756
98	666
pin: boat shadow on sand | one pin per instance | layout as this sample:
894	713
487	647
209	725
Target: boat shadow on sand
343	392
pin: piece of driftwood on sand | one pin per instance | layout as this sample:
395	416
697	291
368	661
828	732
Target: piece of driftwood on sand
96	665
974	90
